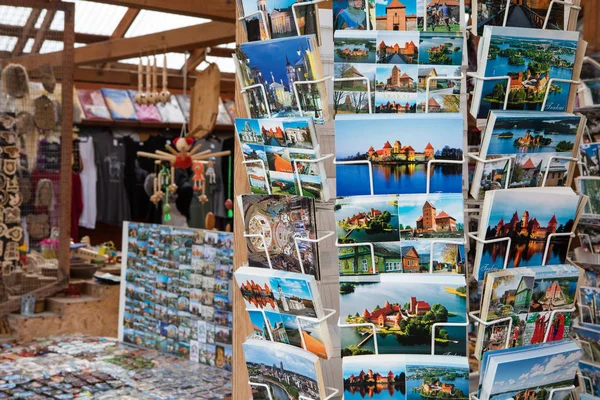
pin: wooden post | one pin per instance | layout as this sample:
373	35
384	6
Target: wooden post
241	320
591	22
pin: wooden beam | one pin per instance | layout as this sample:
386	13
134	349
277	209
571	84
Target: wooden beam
196	57
29	25
40	35
591	29
221	52
125	23
17	31
176	40
217	10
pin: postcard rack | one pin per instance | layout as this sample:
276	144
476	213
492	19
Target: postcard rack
334	392
318	161
313	82
582	382
588	345
326	235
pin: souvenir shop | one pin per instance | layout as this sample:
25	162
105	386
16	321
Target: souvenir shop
418	200
116	209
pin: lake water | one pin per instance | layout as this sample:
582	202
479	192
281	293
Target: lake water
362	235
459	383
500	67
506	146
385	393
456	57
278	392
370	295
397	179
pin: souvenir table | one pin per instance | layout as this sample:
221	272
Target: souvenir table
86	367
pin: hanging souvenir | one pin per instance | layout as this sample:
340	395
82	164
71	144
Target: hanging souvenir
12	151
10	166
38	226
47	77
165	180
12	215
229	202
7	122
12	184
15	233
44	113
15	81
206	101
150	99
25	123
3	198
11	252
15	199
140	97
210	172
8	137
165	95
44	194
155	95
198	178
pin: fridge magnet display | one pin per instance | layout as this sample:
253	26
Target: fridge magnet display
514	52
169	299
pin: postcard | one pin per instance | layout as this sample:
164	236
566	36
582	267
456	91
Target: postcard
290	372
395	15
353	15
398	157
284	292
284	18
441	16
526	216
514	374
444	94
410	377
590	373
589	186
433	216
280	65
275	152
281	220
402	309
351	95
513	52
492	13
590	157
592	115
367	219
534	142
589	340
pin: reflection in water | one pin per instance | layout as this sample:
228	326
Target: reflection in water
525	254
378	391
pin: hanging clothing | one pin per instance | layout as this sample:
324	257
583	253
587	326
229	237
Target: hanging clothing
89	179
113	204
134	179
76	205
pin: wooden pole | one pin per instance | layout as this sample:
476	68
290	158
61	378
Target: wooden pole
241	320
591	24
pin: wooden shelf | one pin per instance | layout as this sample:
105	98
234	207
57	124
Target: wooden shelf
145	125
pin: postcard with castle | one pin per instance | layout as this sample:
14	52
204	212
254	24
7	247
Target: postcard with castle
275	151
525	218
290	372
531	58
281	220
399	67
529	374
284	18
402	309
390	148
279	291
405	377
279	67
528	296
533	141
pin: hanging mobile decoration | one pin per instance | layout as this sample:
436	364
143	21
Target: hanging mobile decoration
149	95
165	95
198	178
229	202
155	94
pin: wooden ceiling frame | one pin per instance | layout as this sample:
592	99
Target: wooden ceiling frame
29	25
40	35
175	40
125	23
216	10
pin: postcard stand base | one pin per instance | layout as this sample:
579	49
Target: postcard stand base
333	392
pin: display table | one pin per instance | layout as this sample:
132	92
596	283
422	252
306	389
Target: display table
69	367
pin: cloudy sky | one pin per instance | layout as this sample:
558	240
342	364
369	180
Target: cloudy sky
270	353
